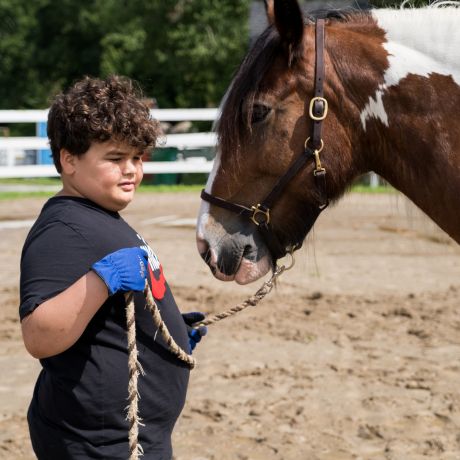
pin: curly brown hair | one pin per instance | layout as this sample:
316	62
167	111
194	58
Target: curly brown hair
95	110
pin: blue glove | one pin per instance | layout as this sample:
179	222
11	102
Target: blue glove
194	333
123	270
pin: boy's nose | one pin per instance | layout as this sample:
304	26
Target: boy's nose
129	167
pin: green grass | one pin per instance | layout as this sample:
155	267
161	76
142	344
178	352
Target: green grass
144	188
374	190
22	195
39	182
33	181
169	188
12	195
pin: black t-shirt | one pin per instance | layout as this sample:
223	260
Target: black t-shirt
78	410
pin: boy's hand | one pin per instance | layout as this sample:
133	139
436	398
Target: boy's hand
194	333
123	270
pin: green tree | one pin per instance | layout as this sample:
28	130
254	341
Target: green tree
182	52
19	82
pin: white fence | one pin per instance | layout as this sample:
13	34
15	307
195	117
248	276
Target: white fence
12	146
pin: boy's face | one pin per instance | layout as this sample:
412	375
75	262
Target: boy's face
107	174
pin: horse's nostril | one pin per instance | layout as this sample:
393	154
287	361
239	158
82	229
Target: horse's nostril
204	250
202	245
206	256
249	253
229	260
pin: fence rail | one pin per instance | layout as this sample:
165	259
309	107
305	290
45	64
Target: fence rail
12	146
180	141
35	116
150	167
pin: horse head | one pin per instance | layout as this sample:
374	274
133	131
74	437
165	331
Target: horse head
263	127
269	120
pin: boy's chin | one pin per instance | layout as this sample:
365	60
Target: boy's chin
120	206
115	205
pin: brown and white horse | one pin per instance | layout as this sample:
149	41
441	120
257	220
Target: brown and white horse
392	83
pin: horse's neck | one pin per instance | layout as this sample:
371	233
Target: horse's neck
410	122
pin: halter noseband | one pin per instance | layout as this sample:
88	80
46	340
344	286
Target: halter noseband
260	213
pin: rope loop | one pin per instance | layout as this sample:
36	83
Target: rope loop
134	366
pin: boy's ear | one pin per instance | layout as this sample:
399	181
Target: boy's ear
67	161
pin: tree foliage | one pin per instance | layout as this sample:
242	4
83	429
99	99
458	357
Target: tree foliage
182	52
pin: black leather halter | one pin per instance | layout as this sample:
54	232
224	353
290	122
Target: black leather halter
260	213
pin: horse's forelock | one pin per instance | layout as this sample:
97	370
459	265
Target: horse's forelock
234	121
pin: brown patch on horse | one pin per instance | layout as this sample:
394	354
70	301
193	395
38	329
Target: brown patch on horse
348	85
420	155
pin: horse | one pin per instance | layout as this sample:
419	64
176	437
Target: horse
317	103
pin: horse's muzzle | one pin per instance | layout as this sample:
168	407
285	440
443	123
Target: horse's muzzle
234	258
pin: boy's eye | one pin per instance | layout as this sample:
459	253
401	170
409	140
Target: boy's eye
117	159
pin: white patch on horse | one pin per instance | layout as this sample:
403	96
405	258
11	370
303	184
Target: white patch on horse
421	42
203	215
213	173
375	108
206	224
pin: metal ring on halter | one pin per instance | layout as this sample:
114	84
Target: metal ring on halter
317	150
292	261
259	212
284	268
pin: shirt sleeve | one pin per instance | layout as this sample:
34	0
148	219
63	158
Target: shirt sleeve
53	259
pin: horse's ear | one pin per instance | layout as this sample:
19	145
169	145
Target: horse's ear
288	21
269	9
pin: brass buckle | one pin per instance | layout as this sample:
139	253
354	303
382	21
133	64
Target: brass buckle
265	213
325	109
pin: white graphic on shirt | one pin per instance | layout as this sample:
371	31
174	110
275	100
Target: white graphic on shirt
154	262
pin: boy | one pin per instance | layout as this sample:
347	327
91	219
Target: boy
78	260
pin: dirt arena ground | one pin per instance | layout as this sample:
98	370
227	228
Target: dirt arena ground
356	355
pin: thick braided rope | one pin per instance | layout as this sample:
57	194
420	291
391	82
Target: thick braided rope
134	366
175	349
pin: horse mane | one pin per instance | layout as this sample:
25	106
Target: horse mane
233	122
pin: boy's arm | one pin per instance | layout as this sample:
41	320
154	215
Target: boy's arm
58	323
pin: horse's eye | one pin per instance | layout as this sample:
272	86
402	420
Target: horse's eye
259	113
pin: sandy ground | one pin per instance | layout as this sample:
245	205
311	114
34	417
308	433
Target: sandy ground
356	355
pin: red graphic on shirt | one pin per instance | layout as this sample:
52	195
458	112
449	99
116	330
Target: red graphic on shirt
158	285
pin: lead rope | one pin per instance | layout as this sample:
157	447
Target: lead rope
135	368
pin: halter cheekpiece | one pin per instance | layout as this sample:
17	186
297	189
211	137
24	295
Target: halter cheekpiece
260	213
